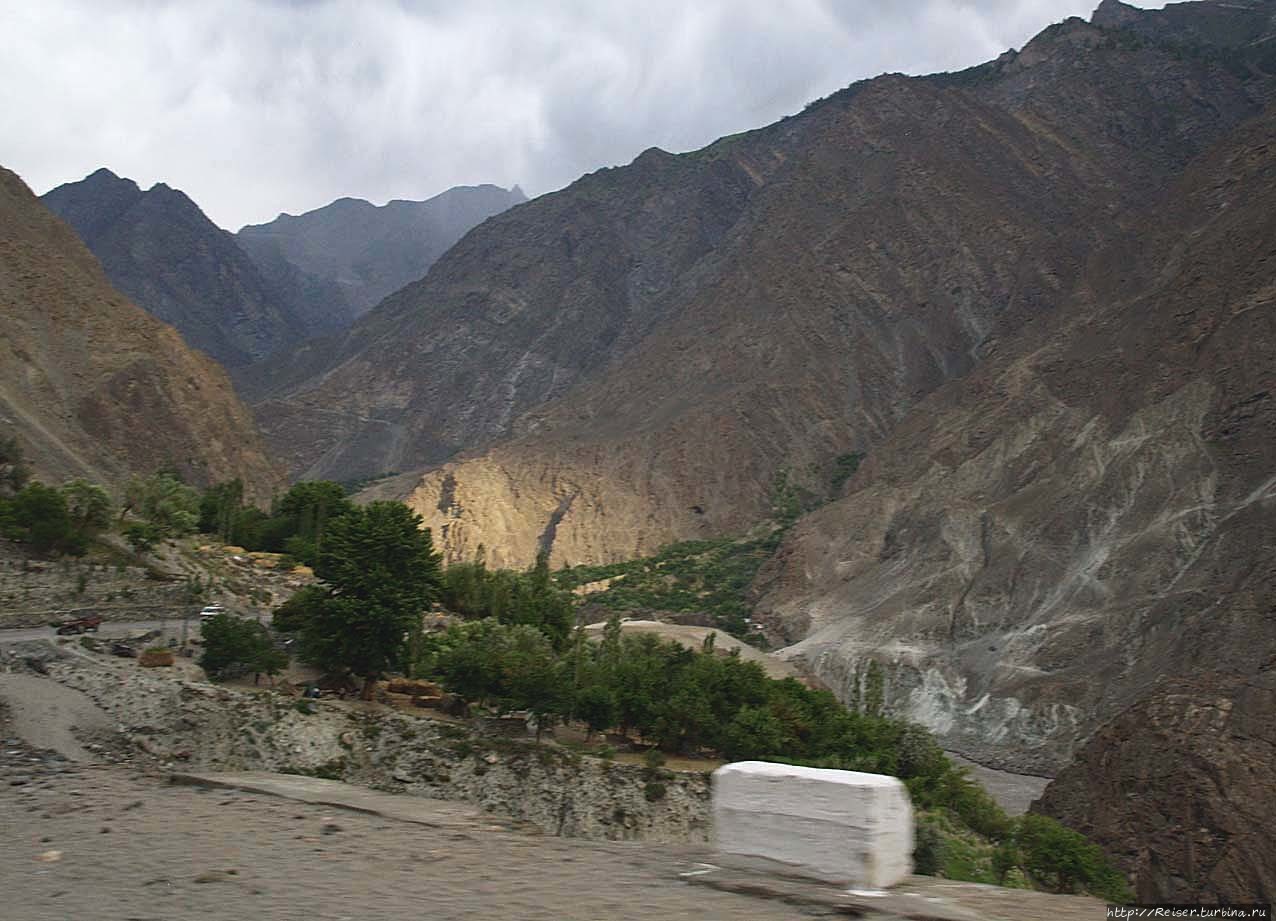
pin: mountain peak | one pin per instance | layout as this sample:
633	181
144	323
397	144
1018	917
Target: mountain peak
103	178
1113	13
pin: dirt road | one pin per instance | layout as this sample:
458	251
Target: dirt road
100	843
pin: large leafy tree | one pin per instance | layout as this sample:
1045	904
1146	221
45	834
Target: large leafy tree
380	573
88	506
233	644
38	516
164	501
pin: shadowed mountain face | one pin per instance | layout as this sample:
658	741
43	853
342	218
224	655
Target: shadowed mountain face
350	255
160	250
95	387
1037	544
1179	789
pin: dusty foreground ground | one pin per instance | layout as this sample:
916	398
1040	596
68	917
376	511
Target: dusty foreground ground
101	842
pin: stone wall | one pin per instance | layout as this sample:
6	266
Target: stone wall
36	592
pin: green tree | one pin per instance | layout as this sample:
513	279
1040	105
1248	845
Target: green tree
142	535
309	507
595	706
234	645
531	598
164	501
220	508
88	507
293	615
37	515
381	573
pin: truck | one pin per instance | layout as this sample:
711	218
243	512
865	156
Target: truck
87	624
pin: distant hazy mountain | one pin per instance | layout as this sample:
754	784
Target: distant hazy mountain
93	386
351	254
161	250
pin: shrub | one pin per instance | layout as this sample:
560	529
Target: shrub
142	536
1062	860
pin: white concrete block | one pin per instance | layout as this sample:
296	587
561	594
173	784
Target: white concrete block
841	827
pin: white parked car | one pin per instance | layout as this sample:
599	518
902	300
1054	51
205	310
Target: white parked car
211	611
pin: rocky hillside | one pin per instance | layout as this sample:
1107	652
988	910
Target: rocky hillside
94	386
350	255
1032	547
1179	788
648	353
162	252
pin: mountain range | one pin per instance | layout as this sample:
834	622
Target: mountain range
243	297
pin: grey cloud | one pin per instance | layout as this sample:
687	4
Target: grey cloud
259	106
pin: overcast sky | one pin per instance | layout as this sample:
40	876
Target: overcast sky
254	107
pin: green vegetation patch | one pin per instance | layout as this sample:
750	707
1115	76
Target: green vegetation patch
705	576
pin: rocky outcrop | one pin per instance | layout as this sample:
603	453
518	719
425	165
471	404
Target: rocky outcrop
1030	550
351	254
92	385
1178	789
162	252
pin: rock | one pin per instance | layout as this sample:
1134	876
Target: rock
842	827
1178	789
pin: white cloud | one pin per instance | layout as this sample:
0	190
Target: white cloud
259	106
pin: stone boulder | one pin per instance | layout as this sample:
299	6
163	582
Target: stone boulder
842	827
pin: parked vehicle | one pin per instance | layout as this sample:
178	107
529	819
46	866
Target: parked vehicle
210	611
80	625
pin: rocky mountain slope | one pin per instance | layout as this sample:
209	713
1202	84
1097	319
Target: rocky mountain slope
1031	549
94	386
650	351
1179	788
162	252
350	255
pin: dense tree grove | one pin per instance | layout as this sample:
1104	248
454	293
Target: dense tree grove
530	598
296	525
699	702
